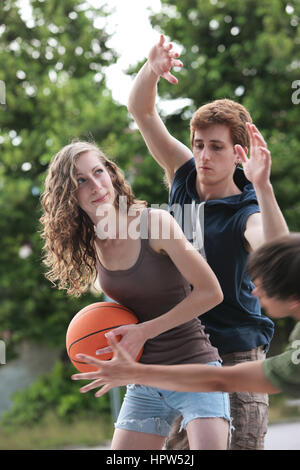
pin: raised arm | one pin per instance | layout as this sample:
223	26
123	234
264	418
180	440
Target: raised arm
269	223
167	151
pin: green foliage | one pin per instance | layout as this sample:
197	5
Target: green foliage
247	51
54	392
53	68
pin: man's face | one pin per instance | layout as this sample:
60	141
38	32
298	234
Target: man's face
274	307
214	154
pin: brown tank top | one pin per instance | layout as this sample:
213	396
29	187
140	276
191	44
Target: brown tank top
150	288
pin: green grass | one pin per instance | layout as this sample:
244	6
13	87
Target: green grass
281	411
53	433
97	430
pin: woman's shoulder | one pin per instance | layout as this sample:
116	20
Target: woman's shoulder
160	218
162	228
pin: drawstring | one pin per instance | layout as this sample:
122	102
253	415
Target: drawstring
198	227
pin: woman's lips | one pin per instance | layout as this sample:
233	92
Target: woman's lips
100	199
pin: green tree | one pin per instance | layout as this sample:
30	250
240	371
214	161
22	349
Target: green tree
53	65
247	51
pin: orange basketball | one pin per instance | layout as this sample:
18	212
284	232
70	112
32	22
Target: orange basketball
86	331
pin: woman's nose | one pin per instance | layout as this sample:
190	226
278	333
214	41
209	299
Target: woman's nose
95	184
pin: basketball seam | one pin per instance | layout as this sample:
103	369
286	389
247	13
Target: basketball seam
91	334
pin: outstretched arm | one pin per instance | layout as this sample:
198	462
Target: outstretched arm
269	223
167	151
122	370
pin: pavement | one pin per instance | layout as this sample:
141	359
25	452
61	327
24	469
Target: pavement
283	436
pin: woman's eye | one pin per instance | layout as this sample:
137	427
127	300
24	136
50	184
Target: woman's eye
217	148
99	171
80	180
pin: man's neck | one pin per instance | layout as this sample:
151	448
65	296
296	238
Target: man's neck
216	191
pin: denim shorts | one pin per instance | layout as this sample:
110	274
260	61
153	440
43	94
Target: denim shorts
153	410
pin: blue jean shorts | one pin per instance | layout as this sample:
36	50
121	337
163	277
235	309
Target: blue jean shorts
153	410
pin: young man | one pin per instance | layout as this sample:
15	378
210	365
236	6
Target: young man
275	269
223	214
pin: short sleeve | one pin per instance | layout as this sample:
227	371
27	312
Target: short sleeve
283	371
241	221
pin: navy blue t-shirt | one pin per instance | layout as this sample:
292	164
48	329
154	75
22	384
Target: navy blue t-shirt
216	228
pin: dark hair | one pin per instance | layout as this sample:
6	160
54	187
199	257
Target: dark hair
277	265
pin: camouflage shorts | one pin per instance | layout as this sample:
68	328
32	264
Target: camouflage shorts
249	411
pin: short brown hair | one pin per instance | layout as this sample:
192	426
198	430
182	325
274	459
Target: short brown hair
277	265
226	112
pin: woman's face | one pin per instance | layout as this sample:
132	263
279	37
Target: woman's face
95	187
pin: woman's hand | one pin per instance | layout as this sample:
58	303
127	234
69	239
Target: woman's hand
120	370
133	339
257	168
161	59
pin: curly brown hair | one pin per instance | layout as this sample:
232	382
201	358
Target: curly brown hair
68	232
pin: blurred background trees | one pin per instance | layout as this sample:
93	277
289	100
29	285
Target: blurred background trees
250	52
53	66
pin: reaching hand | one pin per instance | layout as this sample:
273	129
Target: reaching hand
120	370
257	168
162	59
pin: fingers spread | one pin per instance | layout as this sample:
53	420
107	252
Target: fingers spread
177	63
91	386
241	153
161	40
103	390
260	139
103	351
170	78
89	359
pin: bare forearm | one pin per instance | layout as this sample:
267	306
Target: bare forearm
197	303
203	378
143	94
274	224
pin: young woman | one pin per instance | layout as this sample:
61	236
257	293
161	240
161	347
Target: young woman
93	225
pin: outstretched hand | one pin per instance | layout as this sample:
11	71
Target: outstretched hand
257	167
162	59
120	370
